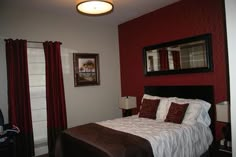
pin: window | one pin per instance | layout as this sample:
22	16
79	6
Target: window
193	57
36	66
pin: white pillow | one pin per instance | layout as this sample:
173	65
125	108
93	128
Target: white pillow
204	117
147	96
197	111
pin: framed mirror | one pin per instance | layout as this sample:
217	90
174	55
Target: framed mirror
187	55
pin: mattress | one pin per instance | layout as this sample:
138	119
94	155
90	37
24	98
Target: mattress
166	139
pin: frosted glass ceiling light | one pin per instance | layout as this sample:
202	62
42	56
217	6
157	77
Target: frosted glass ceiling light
94	7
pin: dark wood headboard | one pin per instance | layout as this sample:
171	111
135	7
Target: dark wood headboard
189	92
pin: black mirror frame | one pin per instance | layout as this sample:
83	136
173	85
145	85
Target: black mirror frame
205	37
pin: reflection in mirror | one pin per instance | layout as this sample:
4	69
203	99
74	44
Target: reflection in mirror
187	55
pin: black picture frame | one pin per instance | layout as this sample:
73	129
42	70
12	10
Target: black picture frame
86	69
206	38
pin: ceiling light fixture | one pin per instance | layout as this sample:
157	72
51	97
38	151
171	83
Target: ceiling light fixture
94	7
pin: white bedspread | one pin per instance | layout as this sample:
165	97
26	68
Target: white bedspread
167	139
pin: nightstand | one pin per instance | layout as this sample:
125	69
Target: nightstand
127	113
221	151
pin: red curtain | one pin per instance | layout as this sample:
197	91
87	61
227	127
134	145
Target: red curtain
176	59
19	96
164	61
55	97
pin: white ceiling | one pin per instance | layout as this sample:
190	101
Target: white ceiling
124	10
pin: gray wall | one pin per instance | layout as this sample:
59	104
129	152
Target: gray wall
83	104
3	82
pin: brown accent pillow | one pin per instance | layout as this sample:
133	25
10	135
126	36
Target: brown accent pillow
176	113
149	108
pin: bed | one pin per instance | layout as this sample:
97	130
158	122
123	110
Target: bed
138	136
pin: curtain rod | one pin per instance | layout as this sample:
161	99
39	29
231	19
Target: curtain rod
35	41
39	42
30	41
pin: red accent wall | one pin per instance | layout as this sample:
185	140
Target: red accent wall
183	19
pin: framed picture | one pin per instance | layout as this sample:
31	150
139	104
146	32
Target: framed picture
86	69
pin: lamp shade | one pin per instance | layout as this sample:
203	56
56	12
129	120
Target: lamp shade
222	111
128	102
94	7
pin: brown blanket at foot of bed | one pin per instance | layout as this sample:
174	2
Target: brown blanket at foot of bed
93	140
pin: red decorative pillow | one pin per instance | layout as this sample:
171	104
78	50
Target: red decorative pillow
149	108
176	113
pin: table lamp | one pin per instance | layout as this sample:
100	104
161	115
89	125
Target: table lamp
127	103
222	115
